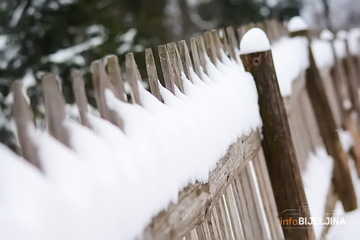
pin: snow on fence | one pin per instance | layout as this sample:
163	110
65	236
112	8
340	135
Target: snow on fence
186	160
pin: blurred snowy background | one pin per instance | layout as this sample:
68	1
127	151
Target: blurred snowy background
38	36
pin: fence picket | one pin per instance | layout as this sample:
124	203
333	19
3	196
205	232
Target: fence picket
80	98
210	46
233	213
223	220
54	109
232	42
116	79
176	65
101	83
133	77
202	52
216	43
24	118
267	196
152	73
195	56
185	58
166	68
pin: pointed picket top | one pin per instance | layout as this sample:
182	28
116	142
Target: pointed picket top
115	77
217	43
185	58
202	53
152	73
80	97
134	77
55	109
195	56
223	40
210	46
166	68
232	42
101	82
176	64
23	117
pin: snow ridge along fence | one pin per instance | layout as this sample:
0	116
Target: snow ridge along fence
246	192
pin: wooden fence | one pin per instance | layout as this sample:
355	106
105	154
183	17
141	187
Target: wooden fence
241	199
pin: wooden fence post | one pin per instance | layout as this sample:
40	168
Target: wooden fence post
277	144
314	84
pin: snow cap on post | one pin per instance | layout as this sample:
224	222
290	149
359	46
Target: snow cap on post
297	24
326	35
354	41
342	35
254	40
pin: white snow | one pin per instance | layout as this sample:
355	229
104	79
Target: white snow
323	53
354	41
72	53
254	40
290	60
297	24
317	181
342	34
97	189
340	48
326	35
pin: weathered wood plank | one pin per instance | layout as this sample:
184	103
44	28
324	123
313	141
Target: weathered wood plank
101	83
54	109
233	213
210	46
152	73
24	118
80	98
176	65
166	68
233	44
253	204
224	223
116	79
195	56
242	207
216	225
133	78
202	53
196	201
217	43
185	58
267	196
